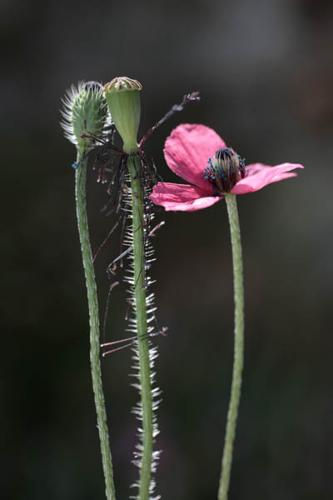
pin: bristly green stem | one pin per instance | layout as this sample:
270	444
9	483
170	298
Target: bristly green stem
134	166
238	346
95	362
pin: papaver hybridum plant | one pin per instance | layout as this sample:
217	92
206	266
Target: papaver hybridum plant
214	172
93	115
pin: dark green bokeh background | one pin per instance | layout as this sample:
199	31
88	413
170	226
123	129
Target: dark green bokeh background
264	69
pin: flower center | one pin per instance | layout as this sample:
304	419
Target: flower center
224	170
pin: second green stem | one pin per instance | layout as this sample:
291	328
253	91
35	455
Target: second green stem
134	166
95	363
236	385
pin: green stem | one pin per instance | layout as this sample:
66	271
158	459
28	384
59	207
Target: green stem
238	346
95	362
134	167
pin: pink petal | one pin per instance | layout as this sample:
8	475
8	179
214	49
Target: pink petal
259	176
187	150
181	197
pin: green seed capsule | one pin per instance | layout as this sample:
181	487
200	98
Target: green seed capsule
123	99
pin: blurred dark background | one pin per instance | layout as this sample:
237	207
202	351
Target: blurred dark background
264	69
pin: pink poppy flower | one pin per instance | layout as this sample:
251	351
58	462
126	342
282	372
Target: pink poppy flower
198	155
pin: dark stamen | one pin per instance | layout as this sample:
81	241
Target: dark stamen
224	170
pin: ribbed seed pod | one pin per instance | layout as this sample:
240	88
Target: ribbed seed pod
123	99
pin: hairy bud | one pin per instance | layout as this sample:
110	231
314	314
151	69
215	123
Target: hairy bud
84	114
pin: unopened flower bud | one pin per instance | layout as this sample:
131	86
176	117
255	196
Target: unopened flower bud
123	98
85	113
224	170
